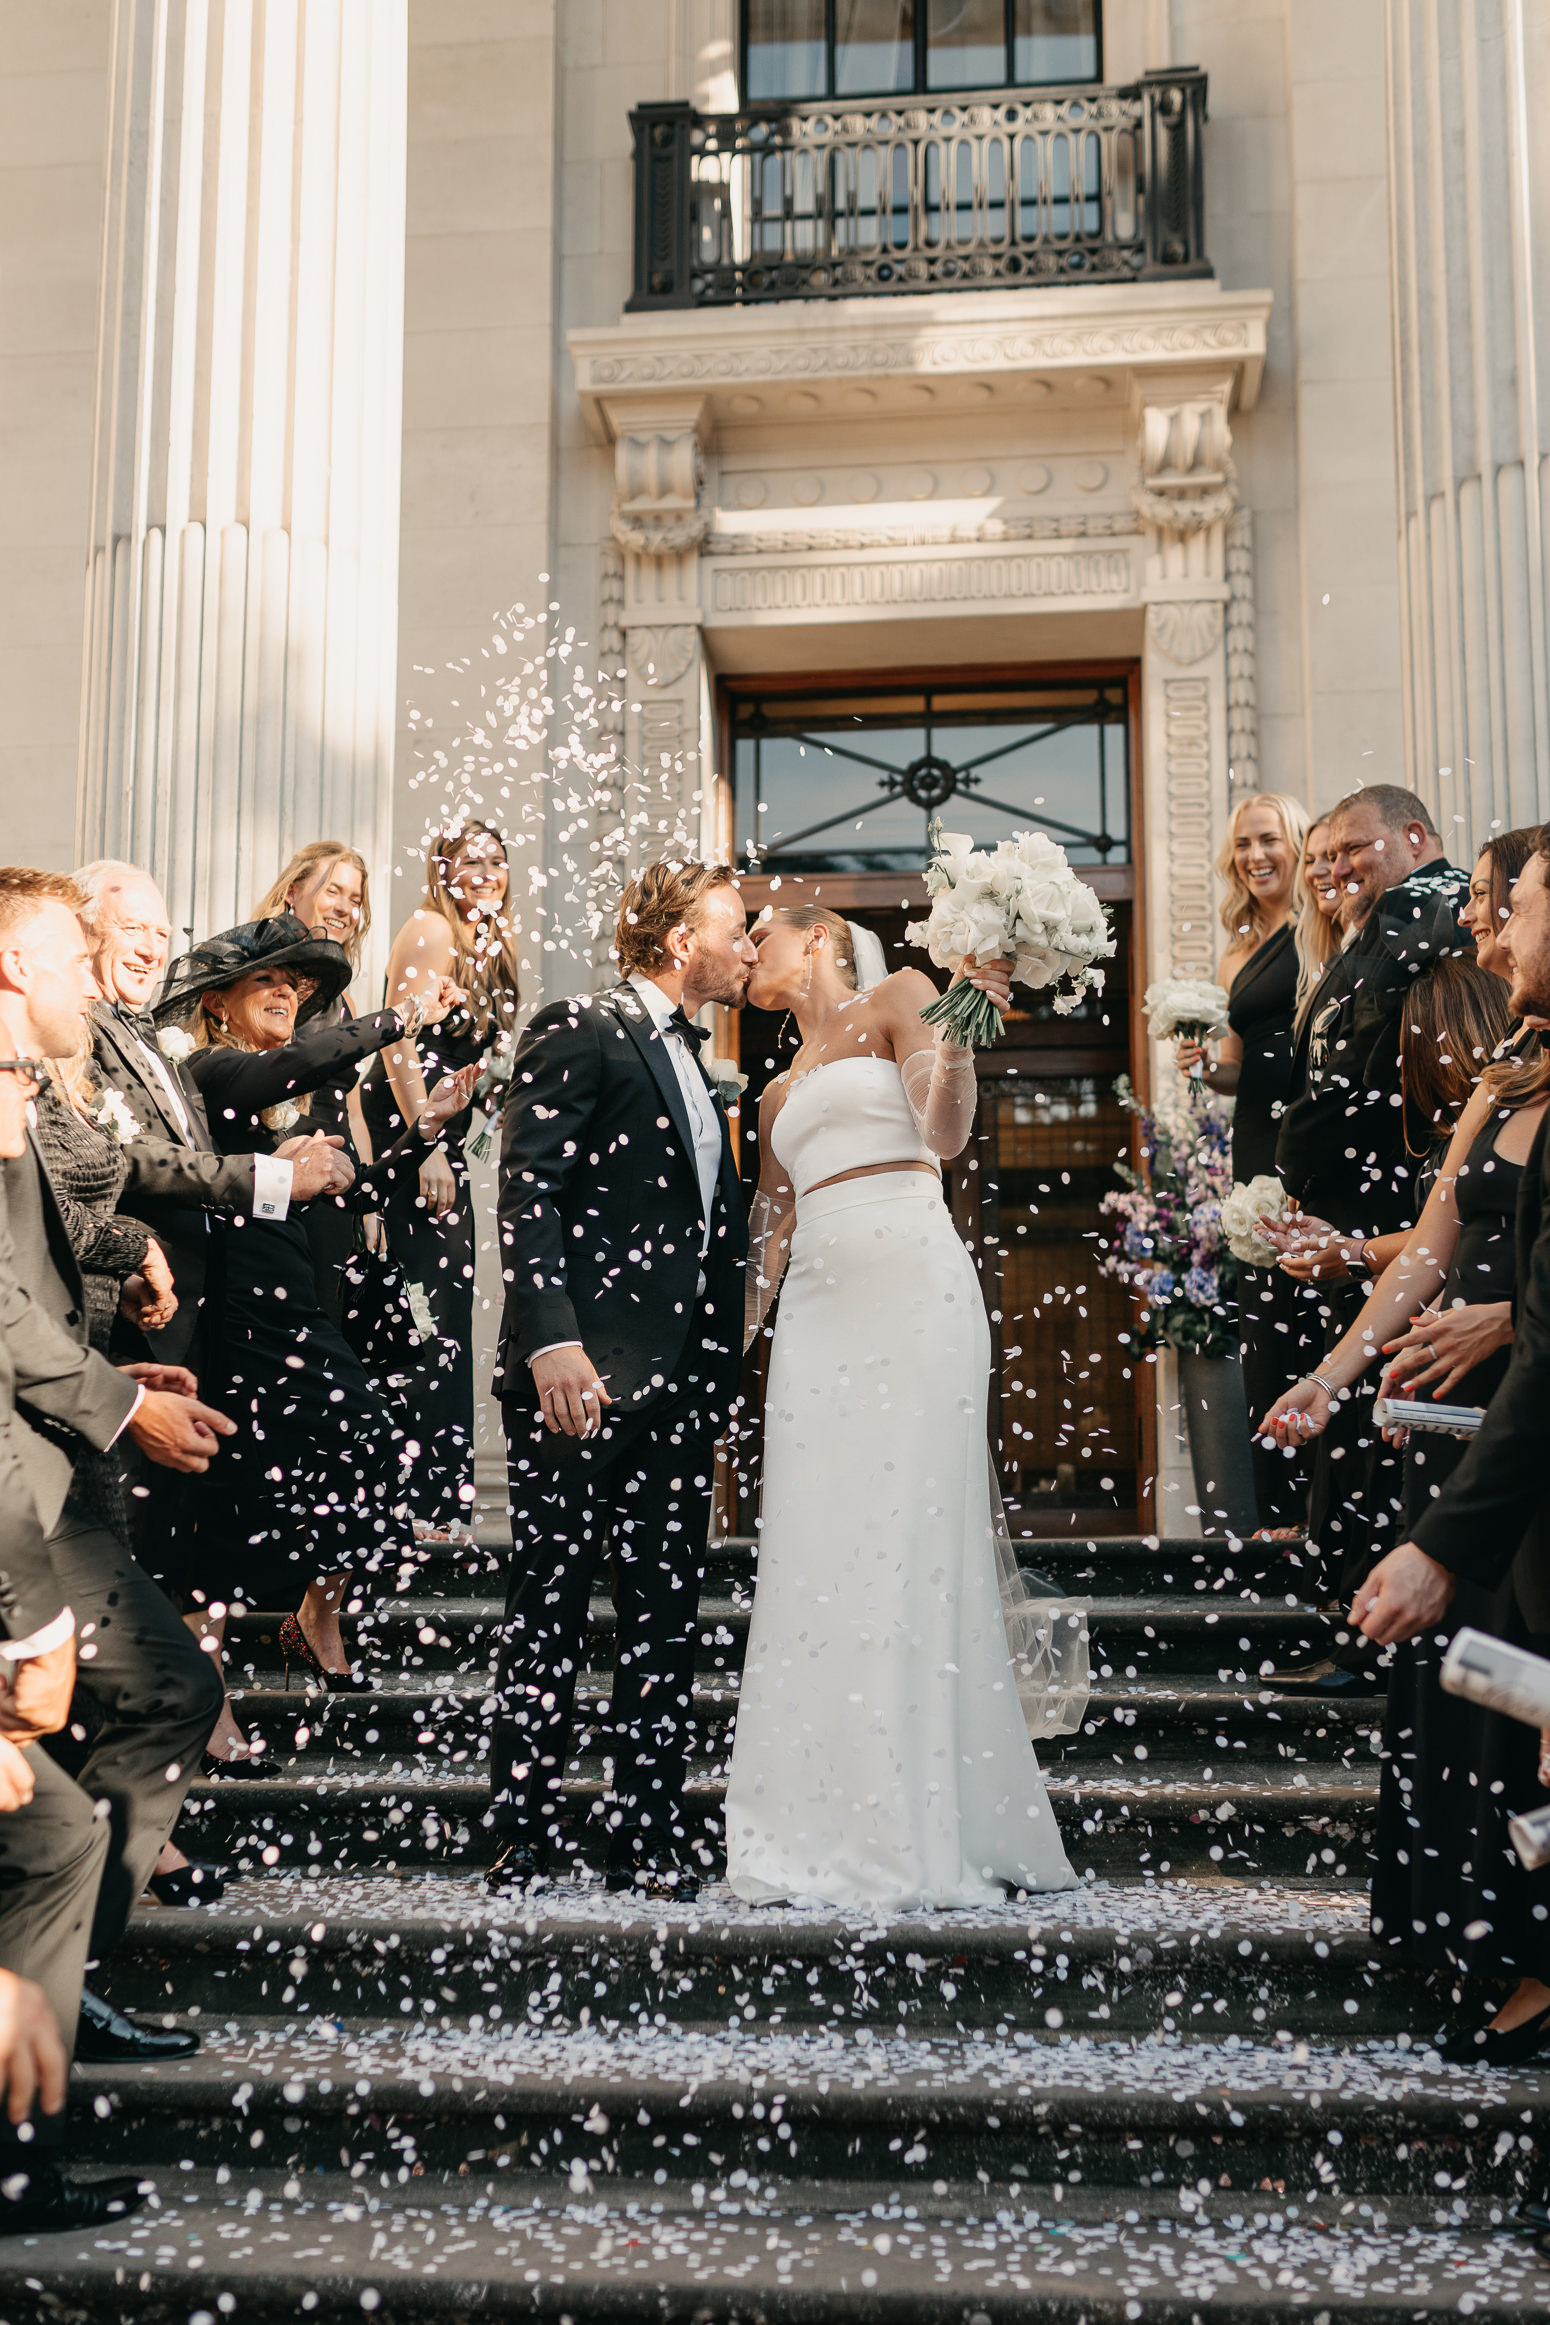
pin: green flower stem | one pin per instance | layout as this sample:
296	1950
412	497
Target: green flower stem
965	1016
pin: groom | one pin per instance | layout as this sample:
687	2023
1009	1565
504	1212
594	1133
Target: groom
623	1239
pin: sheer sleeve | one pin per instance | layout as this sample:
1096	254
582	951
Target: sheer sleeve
769	1240
943	1091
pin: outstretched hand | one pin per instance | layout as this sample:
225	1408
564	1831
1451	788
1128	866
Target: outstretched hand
1406	1592
1298	1414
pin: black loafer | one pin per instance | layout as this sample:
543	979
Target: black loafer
1324	1677
1533	2213
105	2035
51	2204
519	1866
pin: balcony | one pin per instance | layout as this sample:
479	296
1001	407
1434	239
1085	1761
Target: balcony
973	192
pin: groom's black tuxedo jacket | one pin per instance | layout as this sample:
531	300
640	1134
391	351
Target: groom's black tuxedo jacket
600	1219
174	1177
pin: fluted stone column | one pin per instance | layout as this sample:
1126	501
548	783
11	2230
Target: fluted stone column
1469	84
243	579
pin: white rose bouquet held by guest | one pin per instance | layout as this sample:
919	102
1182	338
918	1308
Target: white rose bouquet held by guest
1194	1008
1252	1203
1022	899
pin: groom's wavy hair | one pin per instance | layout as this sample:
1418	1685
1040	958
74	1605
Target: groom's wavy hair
659	899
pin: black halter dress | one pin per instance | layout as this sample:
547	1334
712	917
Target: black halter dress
1279	1333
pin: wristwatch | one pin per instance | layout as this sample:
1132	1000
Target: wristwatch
411	1015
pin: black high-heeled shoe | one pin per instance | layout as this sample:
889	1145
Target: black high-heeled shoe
1490	2046
190	1884
294	1646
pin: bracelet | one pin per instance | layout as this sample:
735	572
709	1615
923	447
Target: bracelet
1327	1386
1366	1262
411	1016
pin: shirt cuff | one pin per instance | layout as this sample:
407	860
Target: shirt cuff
40	1642
129	1416
550	1347
272	1182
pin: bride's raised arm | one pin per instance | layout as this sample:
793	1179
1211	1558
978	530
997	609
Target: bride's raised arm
770	1222
939	1078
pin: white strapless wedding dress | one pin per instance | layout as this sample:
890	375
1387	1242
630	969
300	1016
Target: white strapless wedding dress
881	1757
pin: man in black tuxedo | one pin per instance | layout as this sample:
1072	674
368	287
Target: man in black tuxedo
1475	1527
175	1174
623	1238
1347	1153
159	1694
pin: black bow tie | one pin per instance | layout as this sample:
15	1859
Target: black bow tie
695	1035
139	1021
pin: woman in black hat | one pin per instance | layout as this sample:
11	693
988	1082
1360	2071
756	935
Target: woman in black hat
309	1495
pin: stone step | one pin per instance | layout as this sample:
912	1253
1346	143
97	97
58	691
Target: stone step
1154	1959
1171	1818
1133	1719
264	2248
1235	1640
1317	2123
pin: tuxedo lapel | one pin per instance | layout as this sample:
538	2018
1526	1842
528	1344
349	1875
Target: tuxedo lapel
56	1235
632	1014
131	1055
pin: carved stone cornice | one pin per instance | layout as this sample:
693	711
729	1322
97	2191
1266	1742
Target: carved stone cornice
1062	336
1185	475
1086	525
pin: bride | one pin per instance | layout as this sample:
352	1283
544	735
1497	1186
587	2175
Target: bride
882	1757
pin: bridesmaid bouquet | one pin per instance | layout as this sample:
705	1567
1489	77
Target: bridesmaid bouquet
1251	1200
1193	1007
1020	898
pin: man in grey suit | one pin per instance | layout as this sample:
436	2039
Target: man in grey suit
52	1846
159	1694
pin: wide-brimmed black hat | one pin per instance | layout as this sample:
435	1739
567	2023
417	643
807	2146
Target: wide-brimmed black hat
283	942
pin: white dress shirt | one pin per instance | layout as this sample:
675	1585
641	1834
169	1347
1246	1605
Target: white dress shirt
704	1119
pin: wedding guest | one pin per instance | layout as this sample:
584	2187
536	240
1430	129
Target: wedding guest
86	1153
1342	1151
1261	867
463	931
176	1175
1490	1520
1319	924
311	1499
325	886
156	1693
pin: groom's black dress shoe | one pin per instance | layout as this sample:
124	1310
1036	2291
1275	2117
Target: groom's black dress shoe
105	2036
519	1865
50	2203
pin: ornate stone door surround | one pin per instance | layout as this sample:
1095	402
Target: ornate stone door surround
986	474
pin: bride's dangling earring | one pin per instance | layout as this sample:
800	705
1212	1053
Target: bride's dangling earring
806	985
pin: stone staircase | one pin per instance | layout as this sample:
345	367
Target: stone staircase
1187	2083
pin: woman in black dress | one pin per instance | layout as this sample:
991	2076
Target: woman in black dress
311	1497
1261	864
325	885
461	931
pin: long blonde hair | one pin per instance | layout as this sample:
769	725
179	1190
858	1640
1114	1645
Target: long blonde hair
1242	914
1318	936
214	1033
320	857
487	972
73	1077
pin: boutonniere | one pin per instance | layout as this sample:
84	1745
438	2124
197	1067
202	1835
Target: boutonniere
175	1044
283	1117
111	1113
726	1082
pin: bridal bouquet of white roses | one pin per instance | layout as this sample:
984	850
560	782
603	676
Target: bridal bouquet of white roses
1251	1200
1020	898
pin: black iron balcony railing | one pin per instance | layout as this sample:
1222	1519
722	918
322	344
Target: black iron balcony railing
830	201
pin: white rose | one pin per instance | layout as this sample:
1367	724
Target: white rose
1263	1196
174	1043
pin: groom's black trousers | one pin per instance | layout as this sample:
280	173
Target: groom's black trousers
642	1489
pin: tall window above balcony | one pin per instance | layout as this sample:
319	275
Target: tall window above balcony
881	48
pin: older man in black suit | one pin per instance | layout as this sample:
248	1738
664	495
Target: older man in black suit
623	1238
175	1173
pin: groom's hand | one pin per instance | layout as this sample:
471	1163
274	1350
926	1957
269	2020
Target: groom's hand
570	1389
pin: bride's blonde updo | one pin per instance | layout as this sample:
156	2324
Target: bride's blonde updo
842	949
